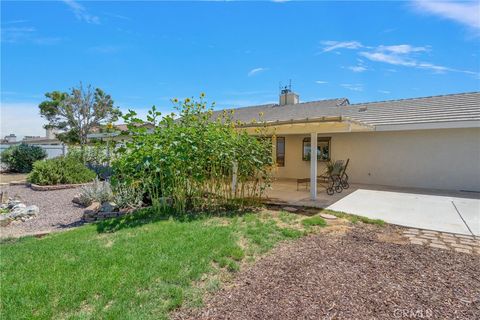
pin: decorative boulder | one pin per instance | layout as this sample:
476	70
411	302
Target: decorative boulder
18	206
76	200
13	202
93	208
109	207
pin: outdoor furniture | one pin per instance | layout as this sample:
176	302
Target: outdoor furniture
344	176
335	179
331	178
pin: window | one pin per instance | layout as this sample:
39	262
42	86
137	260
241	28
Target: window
323	149
281	151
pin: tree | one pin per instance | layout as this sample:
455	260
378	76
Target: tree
78	112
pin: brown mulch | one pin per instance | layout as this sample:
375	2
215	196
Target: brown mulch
357	275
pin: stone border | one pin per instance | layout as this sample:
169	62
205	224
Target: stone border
37	187
89	216
443	240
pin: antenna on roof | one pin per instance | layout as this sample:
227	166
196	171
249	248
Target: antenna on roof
286	89
287	96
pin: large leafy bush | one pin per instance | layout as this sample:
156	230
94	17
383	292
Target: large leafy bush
20	158
61	170
187	163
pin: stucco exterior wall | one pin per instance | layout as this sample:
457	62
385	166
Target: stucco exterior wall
441	159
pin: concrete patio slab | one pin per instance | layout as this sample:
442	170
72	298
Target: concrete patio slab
470	211
423	211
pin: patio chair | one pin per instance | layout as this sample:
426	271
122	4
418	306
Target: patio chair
331	179
344	176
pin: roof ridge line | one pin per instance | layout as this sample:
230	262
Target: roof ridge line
424	97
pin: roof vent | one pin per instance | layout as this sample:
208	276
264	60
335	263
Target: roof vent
362	109
287	96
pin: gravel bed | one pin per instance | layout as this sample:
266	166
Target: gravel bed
354	276
57	211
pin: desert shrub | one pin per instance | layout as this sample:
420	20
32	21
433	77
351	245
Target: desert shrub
187	163
127	196
98	191
61	170
20	158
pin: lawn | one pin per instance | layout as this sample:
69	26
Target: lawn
132	268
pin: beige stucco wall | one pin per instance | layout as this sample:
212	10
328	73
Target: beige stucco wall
441	159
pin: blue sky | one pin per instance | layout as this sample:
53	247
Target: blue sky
144	53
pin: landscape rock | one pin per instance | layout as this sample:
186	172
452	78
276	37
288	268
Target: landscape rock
18	206
32	210
13	202
23	212
93	208
109	207
76	200
328	216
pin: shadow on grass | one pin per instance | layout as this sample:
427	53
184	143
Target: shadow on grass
150	215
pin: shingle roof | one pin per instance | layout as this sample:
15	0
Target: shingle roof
435	109
275	112
445	108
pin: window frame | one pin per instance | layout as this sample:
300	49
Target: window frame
319	139
280	163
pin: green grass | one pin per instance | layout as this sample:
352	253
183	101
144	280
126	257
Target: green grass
354	218
147	267
314	221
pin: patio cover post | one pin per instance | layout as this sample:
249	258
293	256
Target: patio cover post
313	165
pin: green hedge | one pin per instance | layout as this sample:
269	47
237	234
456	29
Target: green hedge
20	158
62	170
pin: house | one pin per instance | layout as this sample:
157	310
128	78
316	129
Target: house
430	142
11	138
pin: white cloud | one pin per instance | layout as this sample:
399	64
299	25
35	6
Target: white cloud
17	34
353	86
320	82
14	21
334	45
400	55
81	13
22	119
402	49
388	58
466	13
256	71
407	61
358	69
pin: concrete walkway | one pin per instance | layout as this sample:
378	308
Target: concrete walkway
424	211
439	210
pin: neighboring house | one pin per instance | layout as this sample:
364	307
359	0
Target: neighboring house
431	142
11	138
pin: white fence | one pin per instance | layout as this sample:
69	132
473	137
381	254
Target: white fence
53	150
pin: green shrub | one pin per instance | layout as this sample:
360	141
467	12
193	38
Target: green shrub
20	158
61	170
186	163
